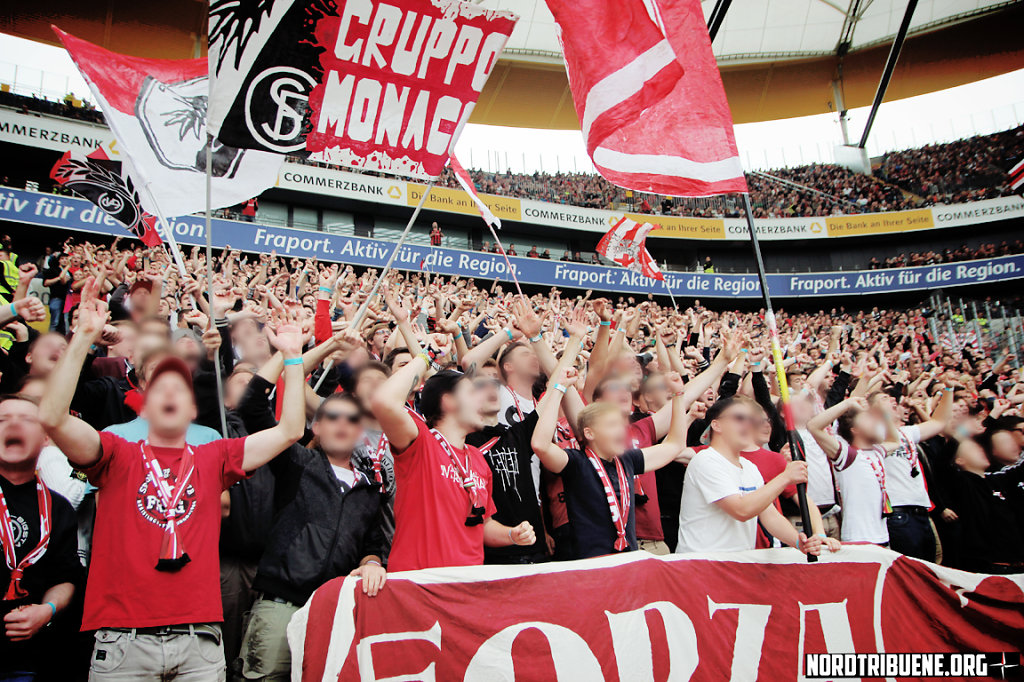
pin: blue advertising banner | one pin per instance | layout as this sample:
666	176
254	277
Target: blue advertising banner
71	213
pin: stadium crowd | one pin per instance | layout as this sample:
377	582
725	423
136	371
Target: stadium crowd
962	253
456	424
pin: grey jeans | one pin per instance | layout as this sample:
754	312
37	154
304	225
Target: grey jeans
196	657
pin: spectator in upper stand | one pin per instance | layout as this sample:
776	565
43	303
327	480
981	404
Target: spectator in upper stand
249	210
708	265
435	235
486	247
532	253
546	255
566	257
511	250
594	259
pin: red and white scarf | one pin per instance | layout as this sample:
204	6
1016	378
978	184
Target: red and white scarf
172	553
619	508
17	568
376	456
465	472
875	457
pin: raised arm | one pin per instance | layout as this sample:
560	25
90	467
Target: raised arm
263	446
940	417
551	456
76	439
671	448
486	349
819	422
388	402
528	322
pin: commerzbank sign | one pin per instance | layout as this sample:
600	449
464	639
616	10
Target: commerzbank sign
59	134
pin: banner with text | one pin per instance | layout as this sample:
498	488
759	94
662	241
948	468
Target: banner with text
741	616
72	213
59	134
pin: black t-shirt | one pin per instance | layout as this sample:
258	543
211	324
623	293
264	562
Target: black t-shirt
512	487
587	505
59	564
58	289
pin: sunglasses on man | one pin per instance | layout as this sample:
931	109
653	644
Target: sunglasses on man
350	417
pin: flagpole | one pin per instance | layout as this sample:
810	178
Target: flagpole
672	298
168	232
209	278
504	255
376	285
795	447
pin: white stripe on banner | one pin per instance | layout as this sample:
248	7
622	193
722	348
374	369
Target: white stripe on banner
620	85
674	166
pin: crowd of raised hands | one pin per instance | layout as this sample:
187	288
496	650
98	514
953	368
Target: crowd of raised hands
463	423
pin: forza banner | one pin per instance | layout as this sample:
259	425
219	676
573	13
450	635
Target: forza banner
385	86
761	614
70	213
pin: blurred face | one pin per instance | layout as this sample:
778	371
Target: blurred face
339	428
1005	449
735	426
463	405
655	393
970	455
45	354
234	388
21	435
617	391
522	362
369	380
609	434
868	428
487	393
188	350
762	428
125	348
170	406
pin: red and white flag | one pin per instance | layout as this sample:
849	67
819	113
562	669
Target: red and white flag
649	96
1017	176
467	184
625	244
156	109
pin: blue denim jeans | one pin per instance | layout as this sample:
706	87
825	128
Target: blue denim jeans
56	312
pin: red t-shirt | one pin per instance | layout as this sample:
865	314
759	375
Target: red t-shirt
124	589
431	506
648	514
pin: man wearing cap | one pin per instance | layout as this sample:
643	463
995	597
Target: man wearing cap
153	593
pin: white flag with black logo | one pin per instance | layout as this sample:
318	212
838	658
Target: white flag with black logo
385	86
156	109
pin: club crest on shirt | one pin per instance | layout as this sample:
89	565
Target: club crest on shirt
149	505
20	528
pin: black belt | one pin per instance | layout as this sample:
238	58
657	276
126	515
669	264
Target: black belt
204	629
909	509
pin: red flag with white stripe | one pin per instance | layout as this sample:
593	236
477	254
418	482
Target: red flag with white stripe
625	244
1017	176
649	96
467	184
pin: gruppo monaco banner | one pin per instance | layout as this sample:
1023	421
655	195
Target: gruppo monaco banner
763	614
60	134
386	86
78	214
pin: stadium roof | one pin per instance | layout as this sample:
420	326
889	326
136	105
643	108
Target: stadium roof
778	57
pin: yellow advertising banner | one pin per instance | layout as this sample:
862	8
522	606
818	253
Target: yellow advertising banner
878	223
682	227
457	201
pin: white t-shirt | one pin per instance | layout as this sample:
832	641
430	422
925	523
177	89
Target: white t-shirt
903	488
819	471
703	525
510	401
857	473
346	476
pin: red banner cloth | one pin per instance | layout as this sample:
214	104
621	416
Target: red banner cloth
742	616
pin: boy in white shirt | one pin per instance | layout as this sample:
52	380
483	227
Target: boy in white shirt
724	495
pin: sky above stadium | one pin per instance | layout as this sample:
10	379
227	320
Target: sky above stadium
982	107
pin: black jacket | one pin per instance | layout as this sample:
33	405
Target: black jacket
319	533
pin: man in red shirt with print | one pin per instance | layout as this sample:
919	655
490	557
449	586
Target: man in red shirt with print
443	506
153	593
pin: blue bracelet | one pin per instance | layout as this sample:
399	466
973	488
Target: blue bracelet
326	290
14	311
507	331
606	323
52	606
457	336
292	361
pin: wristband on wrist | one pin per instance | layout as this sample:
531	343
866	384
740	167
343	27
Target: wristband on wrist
53	607
14	311
756	364
426	359
535	339
559	387
676	395
457	336
374	562
292	361
326	290
606	323
510	336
